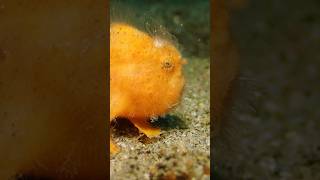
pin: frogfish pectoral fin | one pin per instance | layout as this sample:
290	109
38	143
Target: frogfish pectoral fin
113	148
145	127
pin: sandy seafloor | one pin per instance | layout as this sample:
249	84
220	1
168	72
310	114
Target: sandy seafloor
183	149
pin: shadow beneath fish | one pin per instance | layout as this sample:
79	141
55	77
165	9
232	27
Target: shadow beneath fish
123	127
169	122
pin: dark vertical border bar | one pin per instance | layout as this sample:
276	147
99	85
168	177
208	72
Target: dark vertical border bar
53	109
212	11
224	72
108	85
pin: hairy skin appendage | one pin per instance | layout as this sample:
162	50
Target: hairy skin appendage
146	77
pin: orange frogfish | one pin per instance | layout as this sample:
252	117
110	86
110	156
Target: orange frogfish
146	78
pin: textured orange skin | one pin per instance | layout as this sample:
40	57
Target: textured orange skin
146	77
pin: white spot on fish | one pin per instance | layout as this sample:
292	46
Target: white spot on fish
158	43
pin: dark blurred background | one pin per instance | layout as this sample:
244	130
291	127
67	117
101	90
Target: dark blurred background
187	20
276	135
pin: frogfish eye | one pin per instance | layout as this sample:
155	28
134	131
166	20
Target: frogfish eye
167	65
